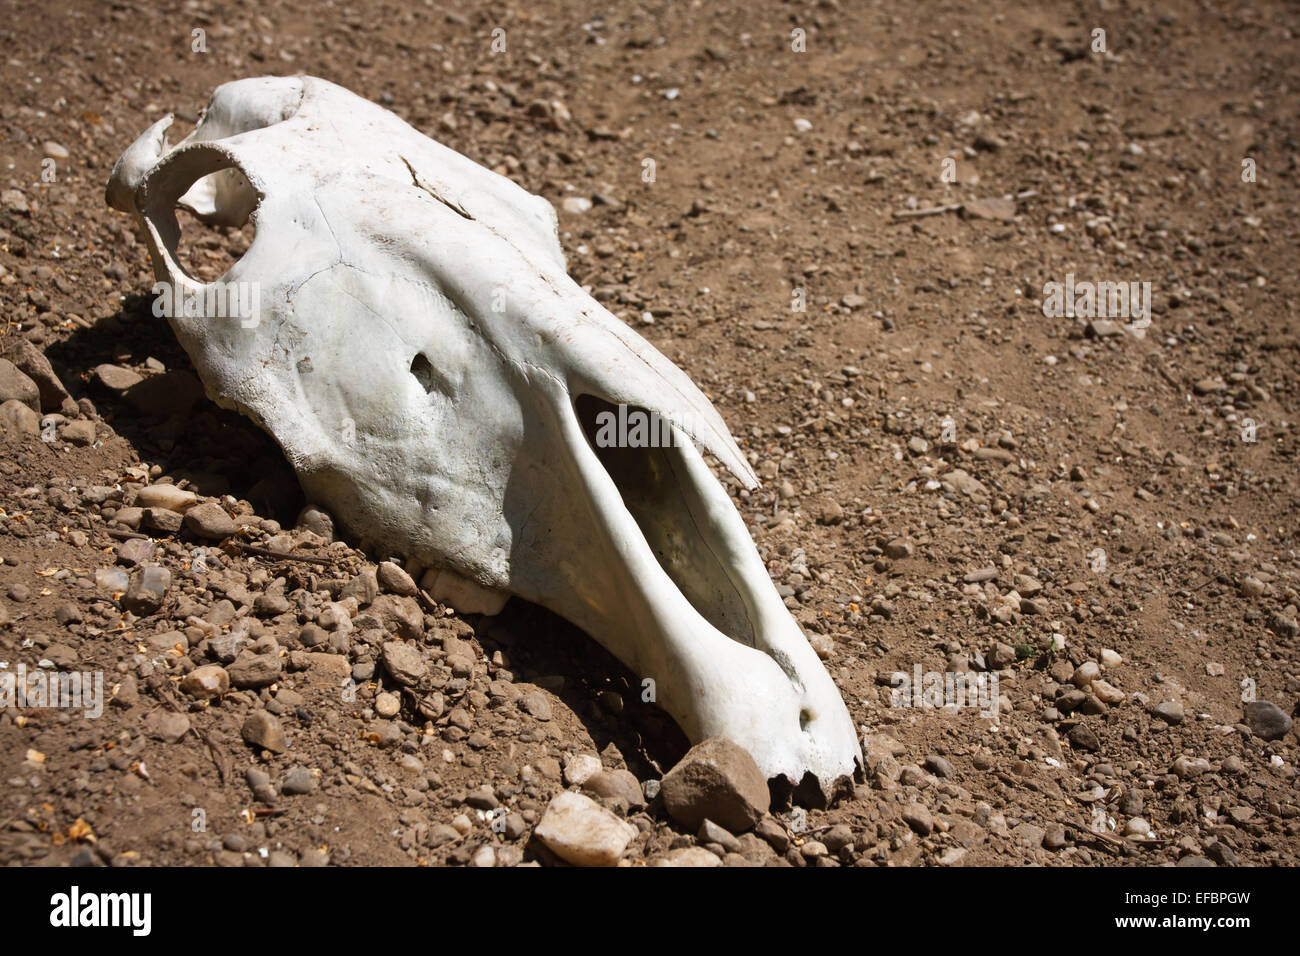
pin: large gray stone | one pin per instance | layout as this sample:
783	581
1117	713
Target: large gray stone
31	361
15	386
717	780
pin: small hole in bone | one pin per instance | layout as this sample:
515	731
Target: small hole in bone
207	253
424	372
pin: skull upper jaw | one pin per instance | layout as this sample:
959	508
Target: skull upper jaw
671	583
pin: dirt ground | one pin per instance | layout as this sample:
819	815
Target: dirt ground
1101	514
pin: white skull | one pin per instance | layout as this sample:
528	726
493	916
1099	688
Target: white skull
437	380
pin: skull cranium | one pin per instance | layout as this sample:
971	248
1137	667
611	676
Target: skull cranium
435	378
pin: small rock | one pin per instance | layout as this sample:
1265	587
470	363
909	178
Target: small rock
999	210
317	520
135	551
1137	827
773	834
1221	854
206	682
15	201
814	850
17	418
31	361
1170	711
1027	586
80	433
112	579
1029	835
582	832
1266	720
1085	674
271	604
210	521
1252	587
403	662
15	386
299	780
166	725
1107	693
1083	737
939	766
166	496
400	615
252	670
710	832
692	856
827	511
616	785
313	857
1187	767
163	521
916	816
226	647
837	837
115	378
148	590
65	613
395	580
262	729
899	548
1132	803
364	587
535	703
128	693
580	768
1001	656
1104	329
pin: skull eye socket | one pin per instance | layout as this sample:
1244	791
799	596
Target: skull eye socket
206	184
207	251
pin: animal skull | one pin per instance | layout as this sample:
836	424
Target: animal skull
438	381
